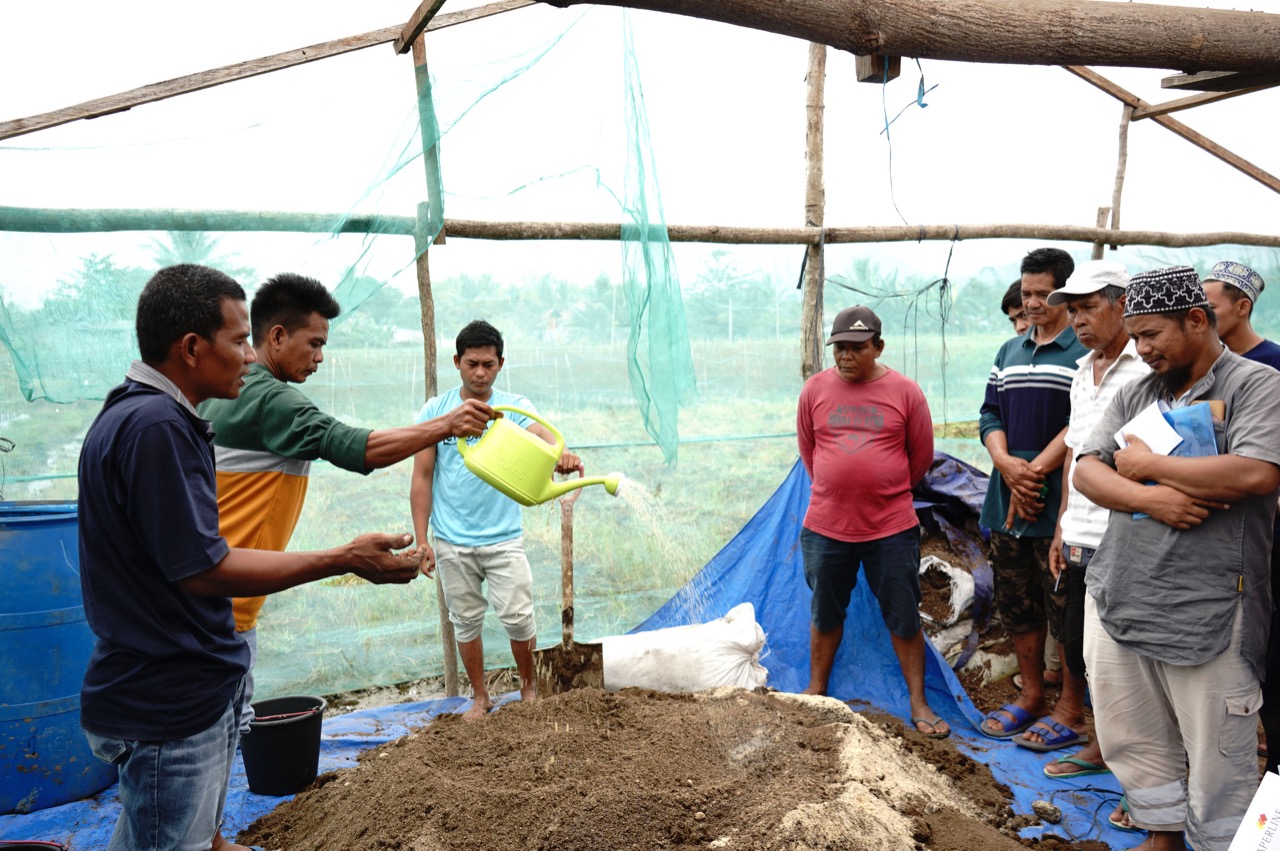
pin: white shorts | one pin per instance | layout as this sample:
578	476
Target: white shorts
506	568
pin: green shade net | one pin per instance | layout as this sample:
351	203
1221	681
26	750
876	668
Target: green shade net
659	362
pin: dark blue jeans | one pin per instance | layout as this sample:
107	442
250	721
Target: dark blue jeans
172	793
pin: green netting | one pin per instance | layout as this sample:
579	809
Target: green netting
631	353
658	359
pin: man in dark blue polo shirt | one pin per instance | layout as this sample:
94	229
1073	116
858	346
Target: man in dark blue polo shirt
1022	424
161	693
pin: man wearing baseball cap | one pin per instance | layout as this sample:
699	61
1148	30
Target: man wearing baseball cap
866	438
1094	296
1180	596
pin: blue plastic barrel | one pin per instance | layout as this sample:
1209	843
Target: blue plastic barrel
44	648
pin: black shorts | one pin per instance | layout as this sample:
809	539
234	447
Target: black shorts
892	566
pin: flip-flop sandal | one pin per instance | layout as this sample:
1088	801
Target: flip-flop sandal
1119	825
1056	736
934	722
1087	769
1022	719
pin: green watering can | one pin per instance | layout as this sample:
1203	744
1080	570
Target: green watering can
520	464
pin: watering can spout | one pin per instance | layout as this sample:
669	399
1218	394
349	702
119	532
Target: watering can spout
611	484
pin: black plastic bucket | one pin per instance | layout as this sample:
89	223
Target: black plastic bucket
282	748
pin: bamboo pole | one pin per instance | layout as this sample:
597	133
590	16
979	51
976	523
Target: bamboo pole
814	212
54	220
430	155
1122	162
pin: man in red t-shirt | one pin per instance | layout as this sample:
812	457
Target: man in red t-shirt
866	438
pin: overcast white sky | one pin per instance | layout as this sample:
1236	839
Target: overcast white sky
725	107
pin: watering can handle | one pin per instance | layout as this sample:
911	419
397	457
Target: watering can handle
531	415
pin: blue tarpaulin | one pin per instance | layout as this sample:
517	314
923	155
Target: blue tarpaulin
761	565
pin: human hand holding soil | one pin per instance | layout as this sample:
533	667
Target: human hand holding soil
371	557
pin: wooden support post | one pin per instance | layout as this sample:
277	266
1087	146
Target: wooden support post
1122	161
1103	212
811	347
448	641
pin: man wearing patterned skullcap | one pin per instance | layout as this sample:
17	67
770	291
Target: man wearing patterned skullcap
1179	588
1233	289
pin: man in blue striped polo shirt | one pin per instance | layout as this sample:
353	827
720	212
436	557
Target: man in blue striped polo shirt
1022	424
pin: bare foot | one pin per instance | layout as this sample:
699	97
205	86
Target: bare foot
528	693
480	707
820	692
223	844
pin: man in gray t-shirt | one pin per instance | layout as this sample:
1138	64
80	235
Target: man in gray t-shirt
1180	597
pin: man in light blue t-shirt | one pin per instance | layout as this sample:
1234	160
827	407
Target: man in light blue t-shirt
478	531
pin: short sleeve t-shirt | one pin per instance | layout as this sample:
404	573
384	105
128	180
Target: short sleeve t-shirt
465	510
166	664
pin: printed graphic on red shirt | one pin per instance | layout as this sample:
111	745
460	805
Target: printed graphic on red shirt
853	426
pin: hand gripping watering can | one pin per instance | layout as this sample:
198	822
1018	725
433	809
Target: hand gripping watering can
519	463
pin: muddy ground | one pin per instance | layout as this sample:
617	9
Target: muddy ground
590	771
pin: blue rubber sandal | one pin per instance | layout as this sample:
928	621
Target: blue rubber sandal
1056	736
1022	719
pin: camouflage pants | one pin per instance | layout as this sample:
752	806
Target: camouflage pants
1024	593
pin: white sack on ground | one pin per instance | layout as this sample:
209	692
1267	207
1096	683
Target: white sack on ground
961	582
722	652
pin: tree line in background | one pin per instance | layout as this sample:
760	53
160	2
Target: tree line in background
723	301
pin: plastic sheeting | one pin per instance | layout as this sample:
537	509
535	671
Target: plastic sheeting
761	565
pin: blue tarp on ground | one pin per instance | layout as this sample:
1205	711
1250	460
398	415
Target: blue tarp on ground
761	565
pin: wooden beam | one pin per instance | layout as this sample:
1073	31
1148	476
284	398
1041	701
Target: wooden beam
1194	100
417	24
240	71
1014	32
1221	81
1177	127
46	220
